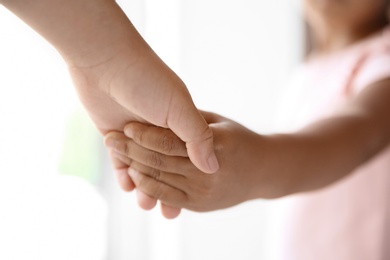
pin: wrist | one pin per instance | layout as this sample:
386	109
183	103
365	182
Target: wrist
274	178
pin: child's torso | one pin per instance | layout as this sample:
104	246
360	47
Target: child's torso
351	218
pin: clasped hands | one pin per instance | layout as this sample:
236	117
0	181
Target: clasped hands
155	162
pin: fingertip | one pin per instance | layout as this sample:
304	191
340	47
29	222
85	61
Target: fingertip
170	212
130	129
191	127
144	201
124	180
110	139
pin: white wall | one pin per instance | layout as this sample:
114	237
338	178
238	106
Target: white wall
233	56
236	54
43	215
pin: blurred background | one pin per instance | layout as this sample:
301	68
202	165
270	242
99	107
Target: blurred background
58	196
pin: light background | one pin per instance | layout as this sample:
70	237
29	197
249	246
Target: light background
234	57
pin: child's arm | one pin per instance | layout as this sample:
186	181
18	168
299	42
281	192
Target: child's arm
172	173
117	75
255	166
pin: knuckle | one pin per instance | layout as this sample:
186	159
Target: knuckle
156	174
167	144
155	160
127	149
207	133
158	192
138	136
121	147
140	181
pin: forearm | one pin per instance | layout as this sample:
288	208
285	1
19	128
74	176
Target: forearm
319	155
85	32
106	55
330	149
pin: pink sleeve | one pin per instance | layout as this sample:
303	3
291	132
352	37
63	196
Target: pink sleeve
375	68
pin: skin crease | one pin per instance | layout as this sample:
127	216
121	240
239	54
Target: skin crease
255	166
118	77
186	173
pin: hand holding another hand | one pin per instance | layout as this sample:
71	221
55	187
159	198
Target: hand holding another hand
160	167
118	77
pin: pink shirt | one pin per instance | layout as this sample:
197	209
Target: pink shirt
349	219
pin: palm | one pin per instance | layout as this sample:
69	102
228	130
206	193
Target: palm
105	112
109	114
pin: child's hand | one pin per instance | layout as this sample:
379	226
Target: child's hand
160	168
121	165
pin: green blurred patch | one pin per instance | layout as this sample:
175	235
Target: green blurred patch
81	155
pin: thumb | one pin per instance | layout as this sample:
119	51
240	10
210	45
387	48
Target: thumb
190	126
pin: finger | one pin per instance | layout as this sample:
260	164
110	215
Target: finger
128	148
169	212
147	203
144	201
174	180
158	190
188	124
121	160
121	169
124	180
211	118
156	138
113	139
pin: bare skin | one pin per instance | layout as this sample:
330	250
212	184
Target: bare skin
255	166
335	25
118	77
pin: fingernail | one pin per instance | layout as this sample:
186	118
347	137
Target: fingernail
213	163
